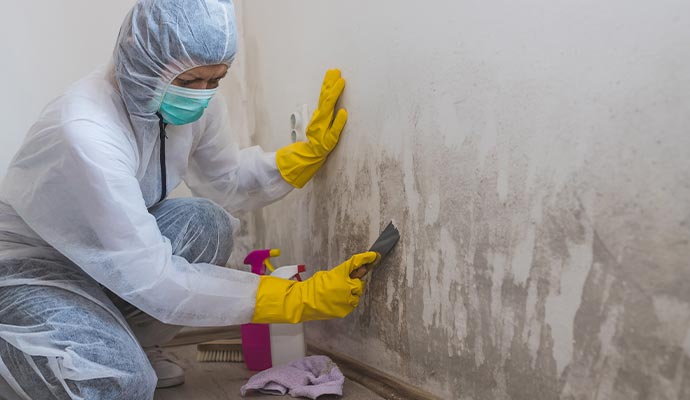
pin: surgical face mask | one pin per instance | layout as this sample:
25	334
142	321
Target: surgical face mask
183	106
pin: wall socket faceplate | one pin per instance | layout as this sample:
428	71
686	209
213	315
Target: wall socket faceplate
299	120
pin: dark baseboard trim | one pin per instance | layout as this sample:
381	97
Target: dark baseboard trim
378	382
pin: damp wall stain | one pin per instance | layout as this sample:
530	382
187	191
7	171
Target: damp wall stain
542	195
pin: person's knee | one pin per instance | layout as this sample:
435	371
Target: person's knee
125	369
136	381
213	229
199	229
135	377
214	216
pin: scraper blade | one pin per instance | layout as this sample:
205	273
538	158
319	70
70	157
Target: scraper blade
383	245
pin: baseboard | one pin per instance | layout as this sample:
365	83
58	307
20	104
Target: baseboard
379	382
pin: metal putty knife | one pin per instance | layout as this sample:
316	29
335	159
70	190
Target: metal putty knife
383	245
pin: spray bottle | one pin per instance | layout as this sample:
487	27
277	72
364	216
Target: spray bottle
256	338
266	345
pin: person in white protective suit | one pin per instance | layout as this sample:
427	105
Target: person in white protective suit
97	267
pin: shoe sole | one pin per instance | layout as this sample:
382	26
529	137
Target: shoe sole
170	382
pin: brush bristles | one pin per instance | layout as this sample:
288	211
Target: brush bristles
220	356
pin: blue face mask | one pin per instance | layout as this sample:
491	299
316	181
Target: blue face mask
183	106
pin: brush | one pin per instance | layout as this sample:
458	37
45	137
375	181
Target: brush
227	350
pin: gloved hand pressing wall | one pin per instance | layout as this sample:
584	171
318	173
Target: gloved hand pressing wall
326	295
299	161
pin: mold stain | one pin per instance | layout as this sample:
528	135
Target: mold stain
509	294
505	300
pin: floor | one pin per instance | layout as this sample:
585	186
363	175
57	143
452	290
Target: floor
215	381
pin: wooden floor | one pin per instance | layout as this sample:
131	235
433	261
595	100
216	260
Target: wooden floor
216	381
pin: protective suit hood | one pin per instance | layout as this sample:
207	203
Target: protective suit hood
159	40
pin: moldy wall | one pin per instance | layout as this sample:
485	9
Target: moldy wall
534	155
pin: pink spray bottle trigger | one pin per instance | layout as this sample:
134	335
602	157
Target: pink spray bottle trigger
260	260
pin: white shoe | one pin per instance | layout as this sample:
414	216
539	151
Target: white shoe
168	372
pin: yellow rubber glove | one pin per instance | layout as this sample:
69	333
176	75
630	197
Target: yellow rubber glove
326	295
299	161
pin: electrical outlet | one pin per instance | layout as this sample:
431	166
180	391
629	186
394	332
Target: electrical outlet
298	124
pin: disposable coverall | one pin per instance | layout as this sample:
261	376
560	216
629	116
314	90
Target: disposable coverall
82	222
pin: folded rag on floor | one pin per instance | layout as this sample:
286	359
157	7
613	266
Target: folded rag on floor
310	377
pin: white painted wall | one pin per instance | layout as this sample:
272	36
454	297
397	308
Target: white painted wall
45	46
534	155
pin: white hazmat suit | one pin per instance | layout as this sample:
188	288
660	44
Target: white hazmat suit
78	192
89	170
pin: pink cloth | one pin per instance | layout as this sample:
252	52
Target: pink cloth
310	377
